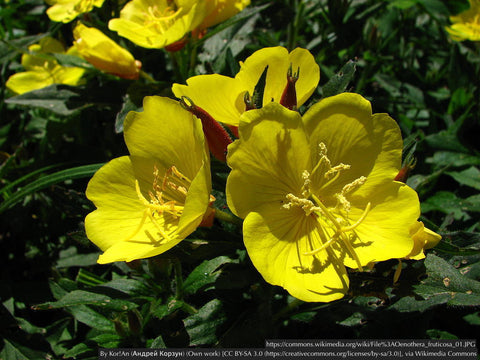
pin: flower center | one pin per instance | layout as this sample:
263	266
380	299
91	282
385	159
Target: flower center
333	223
167	198
161	17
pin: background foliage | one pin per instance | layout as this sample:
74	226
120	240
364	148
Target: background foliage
56	302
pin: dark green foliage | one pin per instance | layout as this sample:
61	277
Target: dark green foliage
56	302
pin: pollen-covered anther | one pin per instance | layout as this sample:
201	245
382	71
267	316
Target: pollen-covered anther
341	198
335	170
173	184
306	184
307	205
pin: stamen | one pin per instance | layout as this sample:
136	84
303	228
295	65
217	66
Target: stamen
306	205
321	248
360	220
336	170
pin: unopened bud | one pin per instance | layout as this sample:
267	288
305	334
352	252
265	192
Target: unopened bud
217	137
404	172
289	96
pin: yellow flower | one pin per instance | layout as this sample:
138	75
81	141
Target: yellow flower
423	239
466	25
158	23
223	97
317	193
151	200
67	10
104	53
42	70
220	10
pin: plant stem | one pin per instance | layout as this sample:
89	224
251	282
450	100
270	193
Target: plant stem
178	279
147	77
287	309
224	216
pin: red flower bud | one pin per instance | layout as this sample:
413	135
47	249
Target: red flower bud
217	137
289	96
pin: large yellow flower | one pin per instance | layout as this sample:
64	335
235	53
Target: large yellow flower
67	10
223	97
466	25
149	201
158	23
42	70
318	195
104	53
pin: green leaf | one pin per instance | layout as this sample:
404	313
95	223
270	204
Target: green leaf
59	334
440	334
15	351
473	319
9	49
443	279
128	105
70	260
444	285
452	158
469	177
339	82
157	343
170	307
81	297
71	60
449	203
242	15
48	180
205	274
461	243
91	318
130	287
61	99
204	326
219	50
403	4
78	349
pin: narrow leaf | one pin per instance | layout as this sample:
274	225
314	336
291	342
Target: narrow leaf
48	180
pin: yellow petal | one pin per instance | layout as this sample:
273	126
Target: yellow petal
67	10
370	144
161	137
104	53
223	97
385	232
279	60
275	244
220	96
466	25
168	133
37	79
423	238
156	24
268	160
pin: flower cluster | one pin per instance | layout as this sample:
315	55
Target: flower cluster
321	192
147	23
318	193
42	69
